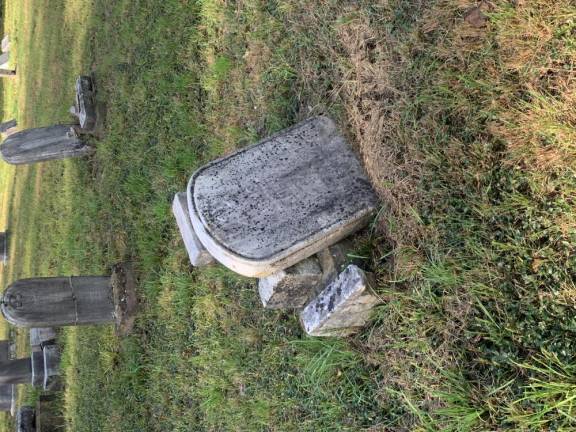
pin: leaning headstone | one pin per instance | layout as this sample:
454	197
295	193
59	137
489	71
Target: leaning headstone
7	125
5	43
73	300
4	247
41	144
197	253
269	206
26	419
85	108
291	288
342	308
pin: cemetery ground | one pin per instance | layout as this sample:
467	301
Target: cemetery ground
463	115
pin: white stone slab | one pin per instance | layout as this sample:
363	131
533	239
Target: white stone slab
342	307
271	205
198	254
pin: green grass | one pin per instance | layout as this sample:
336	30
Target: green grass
466	132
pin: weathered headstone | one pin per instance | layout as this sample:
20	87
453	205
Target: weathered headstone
26	419
6	390
37	361
51	366
41	144
73	300
7	125
197	253
4	247
291	287
85	108
5	43
342	308
271	205
17	371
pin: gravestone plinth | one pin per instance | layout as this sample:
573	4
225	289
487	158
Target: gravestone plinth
26	419
197	253
4	247
51	373
84	107
269	206
42	144
37	361
342	308
40	337
291	288
73	300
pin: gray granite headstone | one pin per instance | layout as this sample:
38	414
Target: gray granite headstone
51	366
342	308
271	205
37	360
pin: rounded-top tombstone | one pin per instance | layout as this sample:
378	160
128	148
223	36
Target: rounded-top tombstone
59	301
41	144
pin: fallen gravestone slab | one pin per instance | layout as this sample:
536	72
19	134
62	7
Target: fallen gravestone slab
41	144
342	307
271	205
73	300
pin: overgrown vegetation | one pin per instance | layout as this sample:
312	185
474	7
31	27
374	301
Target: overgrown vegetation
463	113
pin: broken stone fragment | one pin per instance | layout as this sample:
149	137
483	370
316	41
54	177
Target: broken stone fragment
342	308
291	288
197	253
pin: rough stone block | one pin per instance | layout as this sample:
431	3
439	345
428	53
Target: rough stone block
333	260
85	106
42	336
51	366
292	287
198	254
269	206
342	307
37	359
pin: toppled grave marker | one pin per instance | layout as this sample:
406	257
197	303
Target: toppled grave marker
269	206
84	108
73	300
42	144
342	307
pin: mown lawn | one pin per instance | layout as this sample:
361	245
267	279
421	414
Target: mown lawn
463	114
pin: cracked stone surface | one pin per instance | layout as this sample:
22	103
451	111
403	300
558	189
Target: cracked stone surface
342	308
197	253
269	206
291	288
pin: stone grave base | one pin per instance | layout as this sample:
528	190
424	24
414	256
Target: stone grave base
125	300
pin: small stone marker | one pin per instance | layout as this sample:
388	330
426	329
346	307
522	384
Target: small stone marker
292	287
73	300
5	43
197	253
342	307
26	419
271	205
85	107
41	144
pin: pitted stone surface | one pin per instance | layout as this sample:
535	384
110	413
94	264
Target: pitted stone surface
271	205
342	307
197	253
292	287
